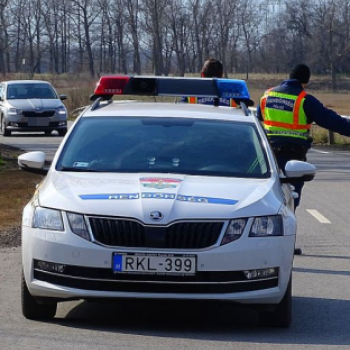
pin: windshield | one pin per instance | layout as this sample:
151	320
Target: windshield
165	145
25	91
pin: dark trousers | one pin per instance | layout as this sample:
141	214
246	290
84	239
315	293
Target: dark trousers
285	153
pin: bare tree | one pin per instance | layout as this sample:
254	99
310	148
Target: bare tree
250	21
331	34
201	15
178	18
299	16
227	24
155	24
121	24
52	20
133	12
4	38
30	21
87	12
174	36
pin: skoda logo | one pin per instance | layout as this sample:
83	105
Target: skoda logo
156	215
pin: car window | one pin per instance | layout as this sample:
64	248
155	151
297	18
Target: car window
165	145
28	91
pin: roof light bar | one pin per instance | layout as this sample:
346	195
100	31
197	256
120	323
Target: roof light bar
177	86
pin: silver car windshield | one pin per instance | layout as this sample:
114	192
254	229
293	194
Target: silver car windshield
165	145
28	91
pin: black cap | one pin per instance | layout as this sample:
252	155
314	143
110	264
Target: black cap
300	72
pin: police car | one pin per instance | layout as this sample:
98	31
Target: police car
162	201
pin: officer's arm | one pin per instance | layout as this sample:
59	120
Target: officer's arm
325	117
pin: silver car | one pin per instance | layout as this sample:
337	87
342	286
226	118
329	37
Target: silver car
31	105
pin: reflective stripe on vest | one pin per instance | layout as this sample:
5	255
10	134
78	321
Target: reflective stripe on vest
285	115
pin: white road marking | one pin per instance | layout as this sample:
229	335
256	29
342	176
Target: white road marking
317	215
318	151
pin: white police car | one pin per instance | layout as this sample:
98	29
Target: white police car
162	201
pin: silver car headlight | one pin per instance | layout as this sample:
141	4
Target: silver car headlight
234	230
49	219
266	226
77	225
14	111
61	110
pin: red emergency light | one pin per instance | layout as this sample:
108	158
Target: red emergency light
108	86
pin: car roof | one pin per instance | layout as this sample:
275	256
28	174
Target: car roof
176	110
11	82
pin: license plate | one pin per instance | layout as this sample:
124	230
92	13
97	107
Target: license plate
164	264
38	121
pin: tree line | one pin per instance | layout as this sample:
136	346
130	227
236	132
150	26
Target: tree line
173	36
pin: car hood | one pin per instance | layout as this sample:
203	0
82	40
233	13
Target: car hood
170	196
35	104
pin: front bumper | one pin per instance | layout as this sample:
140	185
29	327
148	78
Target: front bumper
36	123
88	270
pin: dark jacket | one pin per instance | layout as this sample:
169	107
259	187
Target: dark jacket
315	112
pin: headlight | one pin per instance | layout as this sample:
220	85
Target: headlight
77	225
49	219
234	230
266	226
61	110
14	111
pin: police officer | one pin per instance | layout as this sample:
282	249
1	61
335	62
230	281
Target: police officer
212	68
288	112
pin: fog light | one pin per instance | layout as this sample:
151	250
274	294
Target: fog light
260	274
13	124
51	267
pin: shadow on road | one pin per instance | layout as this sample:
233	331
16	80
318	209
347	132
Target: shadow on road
315	321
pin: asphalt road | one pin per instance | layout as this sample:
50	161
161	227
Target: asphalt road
321	290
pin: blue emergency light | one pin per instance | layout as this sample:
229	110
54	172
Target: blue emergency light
108	86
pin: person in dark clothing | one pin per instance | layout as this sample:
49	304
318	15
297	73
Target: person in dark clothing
212	68
287	112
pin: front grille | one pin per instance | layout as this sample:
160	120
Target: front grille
46	114
126	233
87	278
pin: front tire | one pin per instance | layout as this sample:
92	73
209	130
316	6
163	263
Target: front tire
4	130
31	309
62	132
282	315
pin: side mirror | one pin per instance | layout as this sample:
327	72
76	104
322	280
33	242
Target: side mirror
63	97
33	162
298	171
